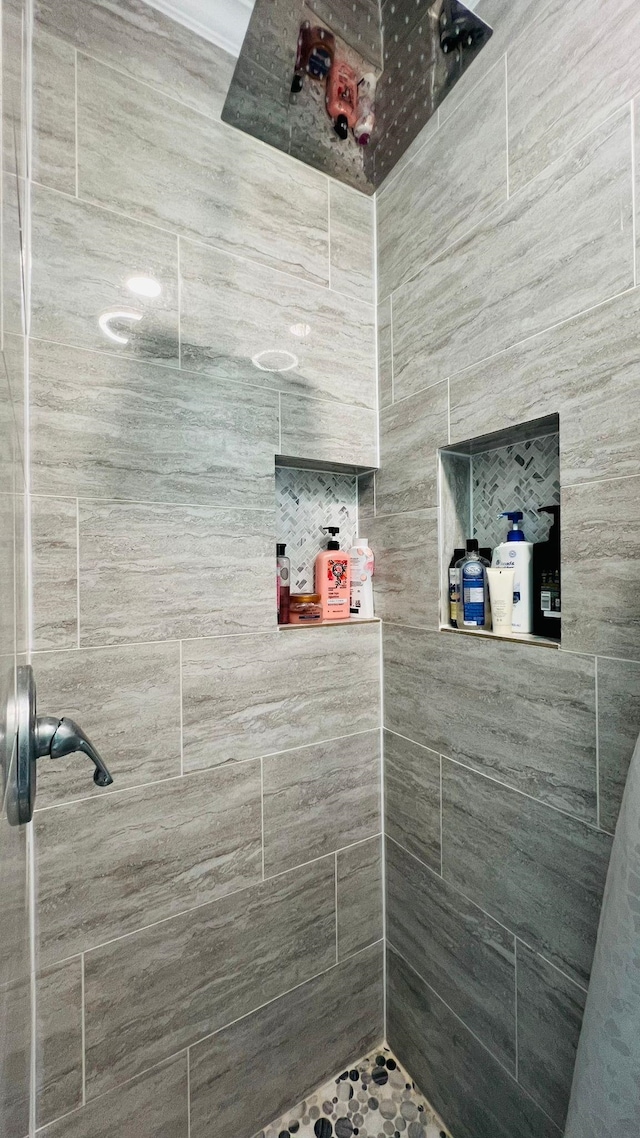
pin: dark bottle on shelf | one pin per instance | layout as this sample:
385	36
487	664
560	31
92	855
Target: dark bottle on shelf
454	586
547	605
283	582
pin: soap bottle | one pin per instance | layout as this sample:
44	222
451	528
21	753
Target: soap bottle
516	553
473	610
283	583
333	578
454	586
547	605
361	566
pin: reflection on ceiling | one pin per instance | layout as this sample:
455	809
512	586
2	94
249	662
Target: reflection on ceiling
345	86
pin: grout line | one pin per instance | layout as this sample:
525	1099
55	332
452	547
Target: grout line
83	1030
441	849
634	222
154	502
262	812
383	861
335	889
78	572
181	707
188	1092
75	124
515	1004
597	709
506	107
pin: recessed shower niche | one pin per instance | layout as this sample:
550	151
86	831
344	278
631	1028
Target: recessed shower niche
482	479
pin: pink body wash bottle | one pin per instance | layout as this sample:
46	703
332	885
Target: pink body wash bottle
333	578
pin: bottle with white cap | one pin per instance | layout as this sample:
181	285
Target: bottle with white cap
361	558
516	553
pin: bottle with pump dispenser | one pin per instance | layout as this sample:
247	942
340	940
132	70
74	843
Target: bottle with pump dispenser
333	578
473	609
516	553
547	604
361	565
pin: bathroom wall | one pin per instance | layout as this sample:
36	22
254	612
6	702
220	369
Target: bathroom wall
211	924
15	962
507	291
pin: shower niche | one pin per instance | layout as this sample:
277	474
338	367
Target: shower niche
481	478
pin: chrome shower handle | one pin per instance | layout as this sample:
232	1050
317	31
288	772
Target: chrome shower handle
56	738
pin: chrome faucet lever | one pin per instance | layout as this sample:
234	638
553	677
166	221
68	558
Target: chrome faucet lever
56	738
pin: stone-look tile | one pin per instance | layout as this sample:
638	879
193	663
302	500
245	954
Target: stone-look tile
585	369
535	870
366	487
147	155
233	311
127	699
15	1044
385	353
410	433
326	432
319	798
351	242
109	428
524	716
254	695
419	214
550	1011
155	851
412	798
469	1088
314	1030
464	955
529	265
155	1105
59	1044
406	585
14	897
601	569
55	573
82	258
359	885
162	572
12	278
147	45
54	114
183	979
618	730
14	53
556	96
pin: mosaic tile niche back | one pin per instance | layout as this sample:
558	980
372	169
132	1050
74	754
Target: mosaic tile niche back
307	500
375	1098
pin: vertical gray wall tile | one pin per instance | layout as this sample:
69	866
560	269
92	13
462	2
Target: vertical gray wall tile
55	572
359	892
385	353
59	1048
351	242
410	433
550	1011
406	582
618	730
54	113
412	798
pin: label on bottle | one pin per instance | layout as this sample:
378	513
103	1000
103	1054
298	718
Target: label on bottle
473	599
454	595
338	586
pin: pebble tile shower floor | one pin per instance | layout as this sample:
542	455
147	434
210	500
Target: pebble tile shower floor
375	1098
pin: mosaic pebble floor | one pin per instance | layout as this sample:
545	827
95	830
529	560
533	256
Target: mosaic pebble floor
373	1099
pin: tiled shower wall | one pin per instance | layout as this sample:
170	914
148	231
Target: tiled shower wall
507	292
221	903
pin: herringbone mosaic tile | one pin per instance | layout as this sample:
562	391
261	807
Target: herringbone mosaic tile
307	500
523	477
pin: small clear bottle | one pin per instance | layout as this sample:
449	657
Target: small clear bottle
473	607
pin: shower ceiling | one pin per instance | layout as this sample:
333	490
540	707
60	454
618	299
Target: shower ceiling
399	42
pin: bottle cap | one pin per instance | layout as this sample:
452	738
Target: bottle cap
280	548
515	533
332	543
472	545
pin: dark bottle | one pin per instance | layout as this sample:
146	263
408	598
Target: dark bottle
454	586
547	605
283	583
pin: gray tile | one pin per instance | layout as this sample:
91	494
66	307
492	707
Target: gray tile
530	264
474	1094
556	96
406	585
198	177
462	954
351	242
385	353
535	870
335	357
152	1106
600	546
618	729
155	850
258	99
54	113
59	1044
412	797
410	433
315	1030
585	369
318	430
161	572
108	428
127	699
550	1011
456	694
55	575
254	695
83	257
185	978
146	45
366	487
14	898
15	1009
319	798
359	885
421	211
12	279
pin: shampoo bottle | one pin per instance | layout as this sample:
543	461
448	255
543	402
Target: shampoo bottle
473	610
516	553
361	565
333	579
